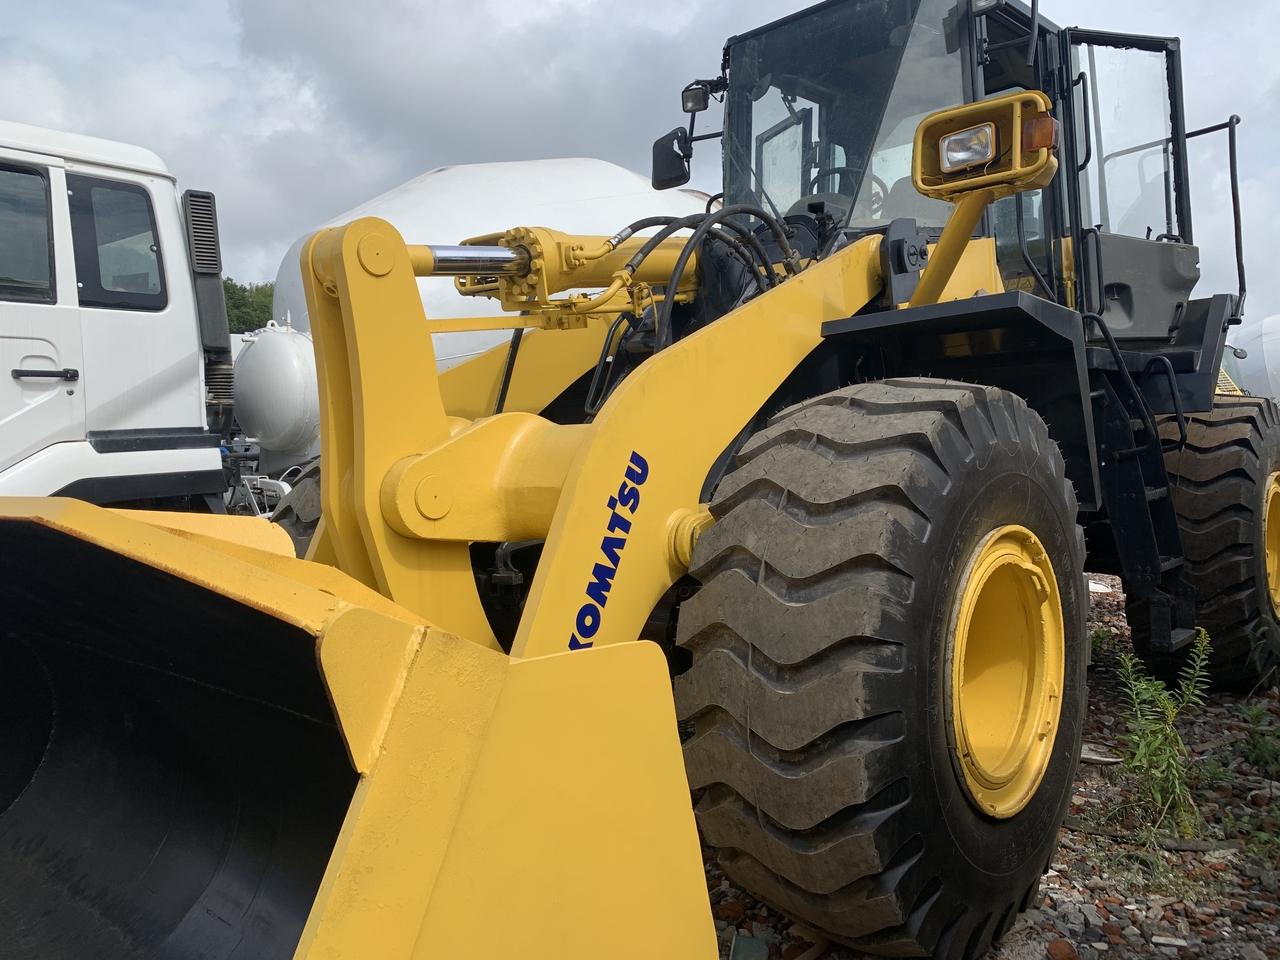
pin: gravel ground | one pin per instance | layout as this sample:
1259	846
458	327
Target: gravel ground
1108	894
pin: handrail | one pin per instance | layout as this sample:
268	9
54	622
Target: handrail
1230	125
1177	398
1083	82
1026	254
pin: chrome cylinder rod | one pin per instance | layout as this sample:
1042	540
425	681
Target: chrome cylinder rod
445	261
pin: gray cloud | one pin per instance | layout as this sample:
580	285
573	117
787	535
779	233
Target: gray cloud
294	111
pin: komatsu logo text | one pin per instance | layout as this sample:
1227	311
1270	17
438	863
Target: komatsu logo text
587	623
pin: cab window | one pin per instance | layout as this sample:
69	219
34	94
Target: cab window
117	250
26	237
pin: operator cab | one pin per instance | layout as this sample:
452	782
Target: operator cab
821	109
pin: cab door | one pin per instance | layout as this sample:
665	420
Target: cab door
41	400
1127	175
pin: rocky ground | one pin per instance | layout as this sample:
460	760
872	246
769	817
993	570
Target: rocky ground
1114	891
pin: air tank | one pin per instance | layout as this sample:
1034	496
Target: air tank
277	400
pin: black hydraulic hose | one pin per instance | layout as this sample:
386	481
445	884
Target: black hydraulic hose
650	245
662	321
742	254
671	222
696	219
594	403
790	261
632	228
508	370
750	238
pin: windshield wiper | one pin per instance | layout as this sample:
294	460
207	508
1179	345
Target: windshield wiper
736	160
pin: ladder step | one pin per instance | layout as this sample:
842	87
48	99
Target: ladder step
1169	563
1156	493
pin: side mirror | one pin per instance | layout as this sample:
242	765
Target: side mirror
671	153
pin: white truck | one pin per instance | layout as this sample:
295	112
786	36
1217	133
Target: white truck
116	382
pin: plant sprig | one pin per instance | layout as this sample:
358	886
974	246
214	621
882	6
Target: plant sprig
1153	749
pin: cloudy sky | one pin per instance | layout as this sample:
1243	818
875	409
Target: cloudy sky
294	111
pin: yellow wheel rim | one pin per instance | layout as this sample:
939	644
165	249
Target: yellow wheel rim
1271	539
1006	656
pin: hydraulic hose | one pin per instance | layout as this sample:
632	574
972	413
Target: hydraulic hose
744	256
593	403
662	321
600	388
747	236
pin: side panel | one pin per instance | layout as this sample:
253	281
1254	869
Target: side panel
60	466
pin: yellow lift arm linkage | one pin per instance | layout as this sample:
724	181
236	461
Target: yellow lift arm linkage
501	797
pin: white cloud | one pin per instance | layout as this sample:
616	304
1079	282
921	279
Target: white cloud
294	110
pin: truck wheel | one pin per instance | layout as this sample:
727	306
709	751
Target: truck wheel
888	677
1226	492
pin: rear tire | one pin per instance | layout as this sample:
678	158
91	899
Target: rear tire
820	679
1219	483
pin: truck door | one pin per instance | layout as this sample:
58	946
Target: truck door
137	315
41	400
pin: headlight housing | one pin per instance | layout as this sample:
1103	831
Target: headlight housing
969	148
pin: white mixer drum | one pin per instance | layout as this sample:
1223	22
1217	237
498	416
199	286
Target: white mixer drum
277	398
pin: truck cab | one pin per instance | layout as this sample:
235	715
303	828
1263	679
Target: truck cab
115	377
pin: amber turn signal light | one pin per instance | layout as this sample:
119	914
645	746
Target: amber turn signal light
1040	133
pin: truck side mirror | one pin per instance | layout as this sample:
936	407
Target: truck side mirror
671	153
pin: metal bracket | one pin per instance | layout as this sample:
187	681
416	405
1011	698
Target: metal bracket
904	251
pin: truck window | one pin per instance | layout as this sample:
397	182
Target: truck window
113	229
26	236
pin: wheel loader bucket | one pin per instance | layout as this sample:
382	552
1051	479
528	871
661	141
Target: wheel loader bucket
211	749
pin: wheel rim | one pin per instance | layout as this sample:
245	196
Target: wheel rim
1271	540
1006	655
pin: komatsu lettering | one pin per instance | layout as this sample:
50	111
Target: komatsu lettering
621	508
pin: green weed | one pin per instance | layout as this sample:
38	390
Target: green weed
1262	747
1153	749
1101	640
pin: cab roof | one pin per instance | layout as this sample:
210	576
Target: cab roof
77	147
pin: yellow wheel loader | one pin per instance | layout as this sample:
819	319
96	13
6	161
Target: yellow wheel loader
788	503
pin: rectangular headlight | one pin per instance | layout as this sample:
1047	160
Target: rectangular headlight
967	148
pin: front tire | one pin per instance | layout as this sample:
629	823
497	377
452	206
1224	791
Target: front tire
821	687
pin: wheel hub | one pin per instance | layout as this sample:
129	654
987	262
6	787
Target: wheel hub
1271	539
1006	657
